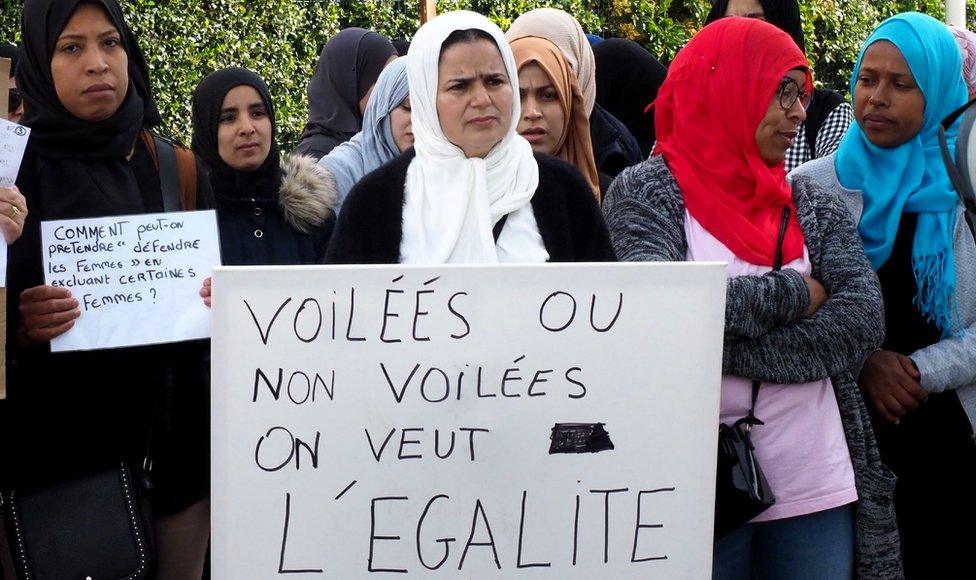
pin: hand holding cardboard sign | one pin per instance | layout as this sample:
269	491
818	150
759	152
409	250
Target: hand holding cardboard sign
13	213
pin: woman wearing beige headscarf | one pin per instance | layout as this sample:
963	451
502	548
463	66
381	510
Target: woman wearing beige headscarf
614	148
554	117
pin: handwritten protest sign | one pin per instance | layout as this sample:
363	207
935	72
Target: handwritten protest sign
554	421
13	143
137	278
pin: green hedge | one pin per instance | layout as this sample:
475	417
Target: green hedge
281	39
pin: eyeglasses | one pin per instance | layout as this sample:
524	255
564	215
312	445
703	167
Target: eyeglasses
14	100
962	166
789	93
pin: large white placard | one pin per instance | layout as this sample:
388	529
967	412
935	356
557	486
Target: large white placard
137	278
457	422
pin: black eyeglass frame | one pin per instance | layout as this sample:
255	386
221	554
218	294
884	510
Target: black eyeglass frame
801	94
959	175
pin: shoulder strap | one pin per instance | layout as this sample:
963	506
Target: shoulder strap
824	103
777	265
186	165
168	174
177	172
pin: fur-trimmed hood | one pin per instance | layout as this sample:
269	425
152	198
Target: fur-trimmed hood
307	194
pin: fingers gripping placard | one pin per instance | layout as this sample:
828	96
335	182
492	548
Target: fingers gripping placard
483	422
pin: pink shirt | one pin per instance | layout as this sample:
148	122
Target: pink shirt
801	448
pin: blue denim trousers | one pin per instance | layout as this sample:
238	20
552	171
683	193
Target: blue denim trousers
817	546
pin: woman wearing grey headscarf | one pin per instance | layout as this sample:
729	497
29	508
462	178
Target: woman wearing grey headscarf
338	92
386	131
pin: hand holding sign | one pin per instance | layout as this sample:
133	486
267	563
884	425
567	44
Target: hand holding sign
136	278
46	312
13	213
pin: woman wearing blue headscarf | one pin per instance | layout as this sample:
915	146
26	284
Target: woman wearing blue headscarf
386	131
922	382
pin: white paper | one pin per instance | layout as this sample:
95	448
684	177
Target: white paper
13	143
137	278
308	434
3	262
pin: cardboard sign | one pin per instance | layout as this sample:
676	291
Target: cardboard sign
137	278
554	421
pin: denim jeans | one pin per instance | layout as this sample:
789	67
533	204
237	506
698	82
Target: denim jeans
817	546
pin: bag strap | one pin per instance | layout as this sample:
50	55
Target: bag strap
963	188
168	174
499	225
177	170
777	265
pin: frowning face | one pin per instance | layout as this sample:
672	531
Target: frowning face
474	96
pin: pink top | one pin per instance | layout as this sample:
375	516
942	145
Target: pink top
801	448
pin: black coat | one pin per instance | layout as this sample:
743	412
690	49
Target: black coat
614	148
290	226
571	224
73	412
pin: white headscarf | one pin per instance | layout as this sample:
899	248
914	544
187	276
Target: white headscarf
560	28
452	201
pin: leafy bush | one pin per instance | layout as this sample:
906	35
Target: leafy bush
281	39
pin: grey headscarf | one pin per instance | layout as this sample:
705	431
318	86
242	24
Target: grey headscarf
374	145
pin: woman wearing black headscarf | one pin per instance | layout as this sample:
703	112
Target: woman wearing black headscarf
71	414
338	92
271	211
828	115
627	80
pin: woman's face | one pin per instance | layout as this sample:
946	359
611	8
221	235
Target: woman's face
778	128
90	66
746	8
888	104
400	125
244	130
474	96
543	120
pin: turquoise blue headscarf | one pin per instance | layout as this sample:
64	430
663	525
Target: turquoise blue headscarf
374	145
911	177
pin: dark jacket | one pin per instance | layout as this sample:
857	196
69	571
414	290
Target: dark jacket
291	226
767	336
614	148
370	227
75	412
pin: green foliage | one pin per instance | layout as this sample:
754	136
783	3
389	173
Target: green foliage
281	39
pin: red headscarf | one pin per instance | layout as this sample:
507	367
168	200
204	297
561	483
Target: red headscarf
717	91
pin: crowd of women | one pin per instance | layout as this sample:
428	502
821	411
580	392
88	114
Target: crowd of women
852	274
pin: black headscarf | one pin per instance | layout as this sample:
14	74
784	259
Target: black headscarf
13	53
350	64
82	169
402	45
208	100
627	81
783	14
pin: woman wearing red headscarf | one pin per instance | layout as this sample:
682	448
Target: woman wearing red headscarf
716	190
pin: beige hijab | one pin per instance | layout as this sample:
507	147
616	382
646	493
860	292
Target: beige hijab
574	145
564	31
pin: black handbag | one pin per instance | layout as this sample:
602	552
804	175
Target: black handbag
97	526
741	490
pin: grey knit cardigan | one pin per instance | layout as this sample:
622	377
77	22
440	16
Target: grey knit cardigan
769	338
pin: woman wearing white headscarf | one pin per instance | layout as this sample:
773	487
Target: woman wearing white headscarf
386	131
471	190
